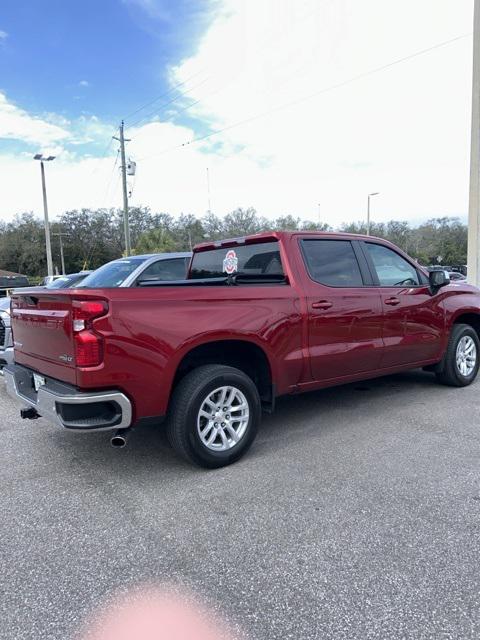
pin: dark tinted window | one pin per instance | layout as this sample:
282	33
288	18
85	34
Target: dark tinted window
392	270
173	269
263	258
332	262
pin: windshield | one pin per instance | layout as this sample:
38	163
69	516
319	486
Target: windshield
66	281
112	274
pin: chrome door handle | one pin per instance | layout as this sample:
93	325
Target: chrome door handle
321	304
392	301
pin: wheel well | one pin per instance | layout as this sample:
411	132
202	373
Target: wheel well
243	355
473	319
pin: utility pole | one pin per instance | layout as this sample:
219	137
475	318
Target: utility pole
48	243
370	195
126	228
474	198
208	191
60	236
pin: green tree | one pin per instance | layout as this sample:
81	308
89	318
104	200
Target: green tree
243	222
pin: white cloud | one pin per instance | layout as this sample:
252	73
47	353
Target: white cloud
17	124
403	132
84	83
3	35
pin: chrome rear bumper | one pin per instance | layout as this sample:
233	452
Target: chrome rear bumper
66	406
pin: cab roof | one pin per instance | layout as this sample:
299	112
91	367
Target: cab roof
265	236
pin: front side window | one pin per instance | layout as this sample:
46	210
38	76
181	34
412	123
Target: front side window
392	270
332	262
172	269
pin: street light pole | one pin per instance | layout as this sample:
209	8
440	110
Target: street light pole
48	243
370	195
473	259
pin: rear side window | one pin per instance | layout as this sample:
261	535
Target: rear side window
248	259
392	270
332	262
173	269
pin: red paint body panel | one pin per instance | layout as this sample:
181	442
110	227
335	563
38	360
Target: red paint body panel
147	331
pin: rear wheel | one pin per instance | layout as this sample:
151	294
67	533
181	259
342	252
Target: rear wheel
214	415
461	361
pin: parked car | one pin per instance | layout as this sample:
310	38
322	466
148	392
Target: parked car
10	280
49	279
128	272
456	275
257	317
68	281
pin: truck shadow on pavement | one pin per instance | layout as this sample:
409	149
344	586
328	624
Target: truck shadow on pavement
297	417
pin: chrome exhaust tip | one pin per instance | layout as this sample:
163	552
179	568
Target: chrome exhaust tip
120	437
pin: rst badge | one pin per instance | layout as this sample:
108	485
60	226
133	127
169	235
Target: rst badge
230	262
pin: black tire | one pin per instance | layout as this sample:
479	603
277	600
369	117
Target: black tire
450	373
185	406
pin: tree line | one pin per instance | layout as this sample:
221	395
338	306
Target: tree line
94	237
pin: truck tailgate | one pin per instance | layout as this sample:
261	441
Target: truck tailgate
42	332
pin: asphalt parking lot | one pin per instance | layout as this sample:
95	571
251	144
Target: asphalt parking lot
356	515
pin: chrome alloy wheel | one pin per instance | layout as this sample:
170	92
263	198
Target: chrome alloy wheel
466	355
223	418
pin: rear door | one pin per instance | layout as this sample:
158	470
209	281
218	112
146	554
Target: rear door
414	319
344	309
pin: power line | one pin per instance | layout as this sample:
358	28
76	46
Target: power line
111	179
101	157
165	104
333	87
162	95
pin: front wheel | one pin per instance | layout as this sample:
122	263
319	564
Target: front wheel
214	415
461	361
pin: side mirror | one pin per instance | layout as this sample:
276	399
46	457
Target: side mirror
438	278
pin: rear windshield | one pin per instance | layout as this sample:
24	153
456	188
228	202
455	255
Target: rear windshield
248	259
112	274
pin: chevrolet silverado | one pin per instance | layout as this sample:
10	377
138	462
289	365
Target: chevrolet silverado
257	317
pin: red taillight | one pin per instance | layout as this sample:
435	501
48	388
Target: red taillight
88	343
84	311
88	349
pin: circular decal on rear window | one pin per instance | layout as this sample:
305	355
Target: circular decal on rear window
230	262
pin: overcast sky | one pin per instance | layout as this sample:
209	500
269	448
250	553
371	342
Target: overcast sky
310	147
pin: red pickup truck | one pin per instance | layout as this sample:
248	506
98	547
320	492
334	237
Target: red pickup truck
257	317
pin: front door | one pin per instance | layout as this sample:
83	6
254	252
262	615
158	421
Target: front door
413	317
344	310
